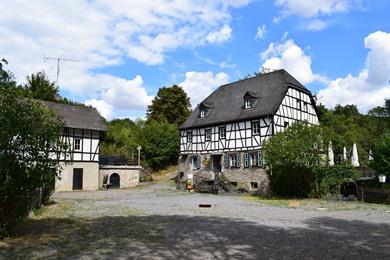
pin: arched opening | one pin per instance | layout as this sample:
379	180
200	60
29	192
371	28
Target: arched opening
115	180
349	190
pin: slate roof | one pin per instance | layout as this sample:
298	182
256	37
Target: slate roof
227	101
78	116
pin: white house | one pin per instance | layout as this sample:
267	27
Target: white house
224	134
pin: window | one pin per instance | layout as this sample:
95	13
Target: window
208	134
189	136
254	185
256	127
305	107
253	159
202	113
235	160
234	184
195	163
246	160
259	159
77	144
226	161
222	132
248	103
286	124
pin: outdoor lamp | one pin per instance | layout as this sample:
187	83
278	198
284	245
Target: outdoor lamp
382	178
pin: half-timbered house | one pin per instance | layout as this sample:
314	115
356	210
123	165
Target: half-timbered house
83	128
223	136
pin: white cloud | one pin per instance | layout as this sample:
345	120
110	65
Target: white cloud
316	25
104	108
312	8
289	56
261	31
103	33
198	85
371	86
312	11
220	36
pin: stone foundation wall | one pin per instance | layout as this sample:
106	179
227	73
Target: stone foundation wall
252	179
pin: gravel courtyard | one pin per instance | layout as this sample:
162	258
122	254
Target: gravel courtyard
155	221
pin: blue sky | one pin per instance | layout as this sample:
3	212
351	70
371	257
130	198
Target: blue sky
127	50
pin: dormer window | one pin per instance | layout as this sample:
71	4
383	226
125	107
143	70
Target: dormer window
250	99
202	113
248	103
204	109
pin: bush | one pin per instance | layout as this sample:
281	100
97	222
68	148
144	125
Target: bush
292	155
381	155
328	179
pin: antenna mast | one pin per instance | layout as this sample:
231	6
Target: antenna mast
58	59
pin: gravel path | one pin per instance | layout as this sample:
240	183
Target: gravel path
157	222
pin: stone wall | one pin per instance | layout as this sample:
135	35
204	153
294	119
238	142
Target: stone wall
252	179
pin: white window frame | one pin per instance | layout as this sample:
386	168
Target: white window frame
248	103
189	134
77	144
256	130
220	132
202	113
207	133
233	160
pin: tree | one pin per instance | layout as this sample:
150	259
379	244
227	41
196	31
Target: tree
381	155
28	131
171	105
160	144
121	139
292	155
40	87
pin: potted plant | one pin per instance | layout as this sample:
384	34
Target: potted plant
189	184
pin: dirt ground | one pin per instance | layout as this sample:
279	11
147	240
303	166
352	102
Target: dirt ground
155	221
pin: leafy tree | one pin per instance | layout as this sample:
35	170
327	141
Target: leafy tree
381	155
381	111
160	144
27	132
40	87
292	156
121	139
171	105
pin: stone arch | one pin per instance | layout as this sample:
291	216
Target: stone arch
115	180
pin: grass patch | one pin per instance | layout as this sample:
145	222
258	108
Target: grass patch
39	211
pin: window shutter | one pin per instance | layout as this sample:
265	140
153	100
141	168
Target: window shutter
226	160
238	159
198	161
246	160
259	159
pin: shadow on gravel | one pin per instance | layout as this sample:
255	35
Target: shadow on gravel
198	237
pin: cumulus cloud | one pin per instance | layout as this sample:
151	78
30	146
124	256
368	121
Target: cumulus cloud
371	86
220	36
198	85
289	56
261	31
104	108
104	33
314	12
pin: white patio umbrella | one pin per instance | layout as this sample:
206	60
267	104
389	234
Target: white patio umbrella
355	157
330	154
370	158
344	154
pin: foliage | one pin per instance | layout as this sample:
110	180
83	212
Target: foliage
292	156
39	87
27	131
121	139
328	179
381	155
345	125
170	105
160	143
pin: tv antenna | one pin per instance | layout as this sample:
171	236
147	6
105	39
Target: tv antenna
58	59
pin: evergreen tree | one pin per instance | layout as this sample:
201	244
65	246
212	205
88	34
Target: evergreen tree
40	87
